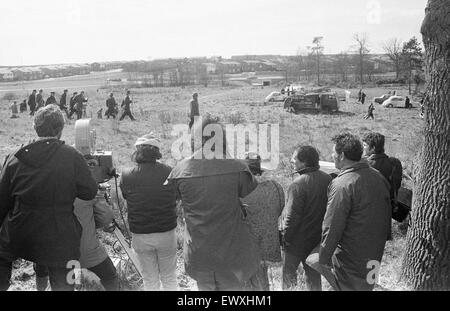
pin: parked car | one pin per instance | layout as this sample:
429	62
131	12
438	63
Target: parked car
275	97
381	99
311	101
396	101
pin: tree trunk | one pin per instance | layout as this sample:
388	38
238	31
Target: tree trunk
426	263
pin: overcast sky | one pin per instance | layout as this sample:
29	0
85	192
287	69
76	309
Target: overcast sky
64	31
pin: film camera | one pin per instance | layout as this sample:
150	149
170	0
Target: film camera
99	161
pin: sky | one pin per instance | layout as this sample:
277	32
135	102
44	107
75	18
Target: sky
73	31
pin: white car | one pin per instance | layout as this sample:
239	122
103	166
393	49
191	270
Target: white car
275	97
395	101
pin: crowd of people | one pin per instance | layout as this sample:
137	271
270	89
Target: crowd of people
236	220
75	105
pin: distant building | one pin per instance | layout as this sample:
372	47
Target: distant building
211	68
6	74
229	67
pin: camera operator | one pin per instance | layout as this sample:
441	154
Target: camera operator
38	186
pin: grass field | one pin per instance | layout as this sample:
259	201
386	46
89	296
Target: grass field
244	104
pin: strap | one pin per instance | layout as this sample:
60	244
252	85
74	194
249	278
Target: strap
280	197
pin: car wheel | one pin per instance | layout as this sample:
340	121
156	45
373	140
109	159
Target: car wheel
390	106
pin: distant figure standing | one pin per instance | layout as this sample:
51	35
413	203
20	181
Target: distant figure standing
363	97
32	102
359	96
14	110
40	100
126	105
194	109
51	100
72	104
370	112
112	107
407	102
63	103
23	106
79	102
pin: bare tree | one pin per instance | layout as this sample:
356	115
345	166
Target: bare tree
393	49
317	49
426	263
341	65
362	51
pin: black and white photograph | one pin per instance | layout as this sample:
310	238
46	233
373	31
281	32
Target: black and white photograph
228	152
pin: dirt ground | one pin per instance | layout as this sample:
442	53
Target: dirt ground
236	104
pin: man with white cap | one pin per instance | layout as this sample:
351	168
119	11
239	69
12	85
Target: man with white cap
151	214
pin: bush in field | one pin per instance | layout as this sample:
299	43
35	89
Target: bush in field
236	117
10	96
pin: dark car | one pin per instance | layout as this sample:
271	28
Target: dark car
311	101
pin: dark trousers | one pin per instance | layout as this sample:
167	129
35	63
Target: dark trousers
127	112
290	266
104	270
79	114
110	113
56	275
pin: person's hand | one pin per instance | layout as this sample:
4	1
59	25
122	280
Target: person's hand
109	228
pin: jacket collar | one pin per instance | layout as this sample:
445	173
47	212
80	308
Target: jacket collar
376	156
354	167
307	170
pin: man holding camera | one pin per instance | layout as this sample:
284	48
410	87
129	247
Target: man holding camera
38	186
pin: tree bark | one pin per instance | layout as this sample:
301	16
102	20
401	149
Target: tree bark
426	263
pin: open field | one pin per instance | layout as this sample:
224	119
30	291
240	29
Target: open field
238	104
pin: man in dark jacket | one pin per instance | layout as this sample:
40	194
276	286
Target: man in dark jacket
79	103
357	219
219	251
38	186
72	104
126	105
51	100
63	103
193	109
112	106
40	100
301	220
32	102
373	146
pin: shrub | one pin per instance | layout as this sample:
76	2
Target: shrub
10	96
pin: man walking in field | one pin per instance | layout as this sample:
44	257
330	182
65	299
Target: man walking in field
370	112
126	105
193	109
